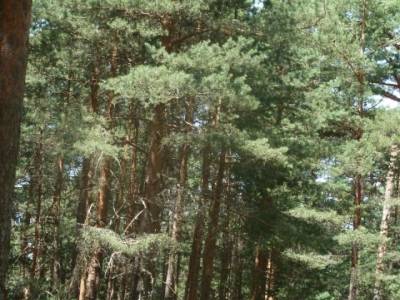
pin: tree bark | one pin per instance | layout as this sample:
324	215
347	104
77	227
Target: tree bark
226	250
56	261
353	289
171	279
211	239
198	233
360	77
81	215
94	267
150	221
237	270
15	19
271	274
384	228
259	275
38	191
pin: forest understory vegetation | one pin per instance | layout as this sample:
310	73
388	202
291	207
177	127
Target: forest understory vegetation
200	149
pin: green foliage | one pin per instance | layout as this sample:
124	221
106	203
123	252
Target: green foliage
107	239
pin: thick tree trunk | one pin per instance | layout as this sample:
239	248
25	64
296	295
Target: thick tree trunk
259	275
211	239
192	282
171	280
14	26
384	228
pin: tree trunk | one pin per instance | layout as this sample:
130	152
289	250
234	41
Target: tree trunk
237	271
150	222
56	261
226	250
14	26
353	289
259	275
81	215
171	280
38	186
271	274
194	261
211	239
94	267
384	228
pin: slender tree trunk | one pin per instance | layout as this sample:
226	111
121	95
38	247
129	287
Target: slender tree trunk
211	239
81	214
237	271
384	228
14	26
259	275
226	251
94	267
133	190
271	273
56	261
353	289
150	222
38	187
194	261
25	248
171	280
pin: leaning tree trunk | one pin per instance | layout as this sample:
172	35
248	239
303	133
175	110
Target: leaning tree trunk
211	239
14	25
384	228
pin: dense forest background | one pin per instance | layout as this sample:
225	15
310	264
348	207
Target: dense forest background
205	149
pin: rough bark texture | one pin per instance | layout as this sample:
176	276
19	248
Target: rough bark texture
14	25
211	239
384	228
